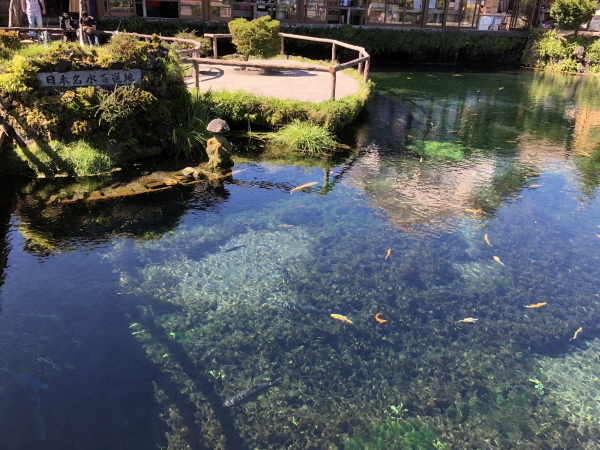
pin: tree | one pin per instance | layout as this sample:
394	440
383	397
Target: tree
571	14
259	37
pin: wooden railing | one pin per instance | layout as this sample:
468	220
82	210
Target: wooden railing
363	61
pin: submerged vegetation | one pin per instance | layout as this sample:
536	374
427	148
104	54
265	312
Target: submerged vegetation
398	435
438	150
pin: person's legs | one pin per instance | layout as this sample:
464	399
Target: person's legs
31	20
35	22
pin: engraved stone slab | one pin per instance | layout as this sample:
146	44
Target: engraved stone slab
89	78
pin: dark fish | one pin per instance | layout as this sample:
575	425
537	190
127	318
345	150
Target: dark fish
302	308
251	394
40	428
286	274
28	381
232	249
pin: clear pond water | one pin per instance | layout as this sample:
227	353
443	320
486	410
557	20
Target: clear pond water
460	237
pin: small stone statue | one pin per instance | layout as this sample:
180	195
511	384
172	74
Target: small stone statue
217	147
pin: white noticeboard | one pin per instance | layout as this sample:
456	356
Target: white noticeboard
89	78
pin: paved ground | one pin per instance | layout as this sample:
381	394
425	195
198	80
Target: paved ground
288	84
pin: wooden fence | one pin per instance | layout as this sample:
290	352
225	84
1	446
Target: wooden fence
363	60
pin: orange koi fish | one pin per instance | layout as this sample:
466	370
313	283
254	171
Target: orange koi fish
474	211
303	186
379	319
598	235
498	260
534	185
342	318
389	252
410	137
468	320
579	330
537	305
474	114
485	237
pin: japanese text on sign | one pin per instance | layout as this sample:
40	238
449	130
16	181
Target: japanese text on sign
89	78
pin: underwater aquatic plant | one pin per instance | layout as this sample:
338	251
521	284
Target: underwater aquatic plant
438	150
394	435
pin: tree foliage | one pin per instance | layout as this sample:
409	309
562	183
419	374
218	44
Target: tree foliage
571	14
259	37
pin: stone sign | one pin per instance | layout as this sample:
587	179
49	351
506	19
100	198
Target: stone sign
89	78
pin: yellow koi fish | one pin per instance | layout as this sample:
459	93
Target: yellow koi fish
474	211
535	185
537	305
486	239
389	252
598	235
303	186
285	225
579	330
468	320
498	260
342	318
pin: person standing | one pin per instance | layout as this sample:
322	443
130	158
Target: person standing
34	15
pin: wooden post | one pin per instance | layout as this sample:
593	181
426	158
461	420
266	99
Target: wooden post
81	40
215	53
333	53
282	52
10	13
360	68
332	94
144	12
196	75
367	64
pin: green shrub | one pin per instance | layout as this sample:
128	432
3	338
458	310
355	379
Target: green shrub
19	76
206	43
305	136
259	37
571	14
120	108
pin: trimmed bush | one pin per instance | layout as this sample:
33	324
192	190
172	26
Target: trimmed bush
259	37
571	14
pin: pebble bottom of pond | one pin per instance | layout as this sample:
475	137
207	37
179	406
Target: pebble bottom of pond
435	289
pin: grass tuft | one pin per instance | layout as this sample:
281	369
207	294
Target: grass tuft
189	137
305	136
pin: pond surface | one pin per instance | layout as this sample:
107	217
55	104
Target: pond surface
457	245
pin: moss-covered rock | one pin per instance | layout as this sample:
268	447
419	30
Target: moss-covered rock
123	122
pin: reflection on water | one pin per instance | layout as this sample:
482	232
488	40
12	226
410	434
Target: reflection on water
469	196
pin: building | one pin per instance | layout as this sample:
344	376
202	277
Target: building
441	14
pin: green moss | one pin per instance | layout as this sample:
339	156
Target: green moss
438	150
398	435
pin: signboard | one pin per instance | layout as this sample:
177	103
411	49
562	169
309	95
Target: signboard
89	78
